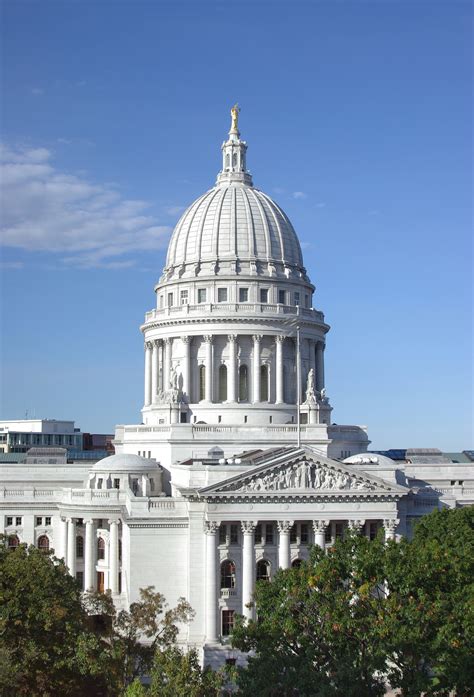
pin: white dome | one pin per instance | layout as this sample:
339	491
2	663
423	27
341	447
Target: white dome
234	221
369	459
124	462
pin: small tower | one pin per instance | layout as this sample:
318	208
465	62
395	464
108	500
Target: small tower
234	167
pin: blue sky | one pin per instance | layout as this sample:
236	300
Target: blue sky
358	119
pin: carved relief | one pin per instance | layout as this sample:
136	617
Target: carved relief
304	475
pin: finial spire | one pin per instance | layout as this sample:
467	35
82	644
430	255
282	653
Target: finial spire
234	167
234	128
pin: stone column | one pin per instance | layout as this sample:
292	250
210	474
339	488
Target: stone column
319	527
232	369
148	350
168	345
256	368
319	366
154	371
279	378
71	546
113	557
210	528
312	355
60	550
248	564
284	527
89	556
186	372
208	339
390	525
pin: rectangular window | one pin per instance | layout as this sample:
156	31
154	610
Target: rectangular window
162	300
293	534
227	622
222	295
281	297
222	534
304	535
306	300
243	295
297	298
263	295
9	520
328	534
170	299
47	520
339	531
39	520
372	531
80	578
258	535
234	534
183	297
117	483
201	295
99	483
18	520
269	534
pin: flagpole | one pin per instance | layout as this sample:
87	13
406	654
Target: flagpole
298	387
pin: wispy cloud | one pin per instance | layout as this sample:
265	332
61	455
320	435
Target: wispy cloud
175	210
299	194
11	265
85	223
37	91
320	204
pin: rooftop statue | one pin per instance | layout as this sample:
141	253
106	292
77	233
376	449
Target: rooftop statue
234	112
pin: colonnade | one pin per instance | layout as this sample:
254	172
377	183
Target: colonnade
67	551
249	561
159	361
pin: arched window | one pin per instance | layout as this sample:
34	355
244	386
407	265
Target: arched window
13	541
263	570
234	159
243	384
296	563
80	547
43	543
202	382
227	160
264	383
101	548
222	383
227	574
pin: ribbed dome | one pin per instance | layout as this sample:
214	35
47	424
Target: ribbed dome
234	221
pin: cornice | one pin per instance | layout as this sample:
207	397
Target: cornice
240	320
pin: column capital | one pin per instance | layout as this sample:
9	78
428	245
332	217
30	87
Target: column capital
257	337
148	345
168	340
356	525
280	338
186	339
210	527
320	345
70	520
113	521
208	338
320	526
231	338
157	343
248	526
285	525
89	521
390	525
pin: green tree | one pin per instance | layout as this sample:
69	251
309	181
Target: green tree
175	673
340	623
46	646
135	636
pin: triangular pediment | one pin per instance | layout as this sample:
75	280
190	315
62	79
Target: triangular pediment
300	471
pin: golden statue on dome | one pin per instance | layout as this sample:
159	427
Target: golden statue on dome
234	112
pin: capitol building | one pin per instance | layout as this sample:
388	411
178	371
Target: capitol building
236	467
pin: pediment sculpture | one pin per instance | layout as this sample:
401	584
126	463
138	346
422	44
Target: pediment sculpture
305	475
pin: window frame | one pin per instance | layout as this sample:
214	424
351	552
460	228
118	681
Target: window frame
243	290
228	575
